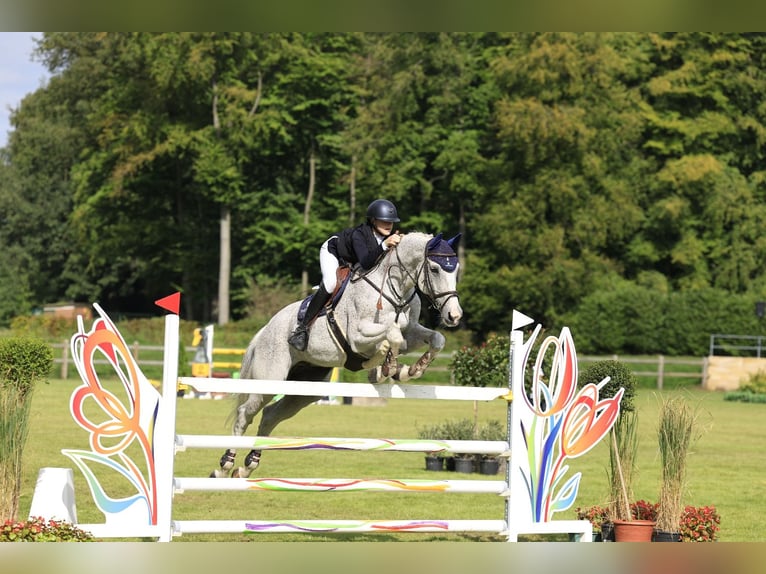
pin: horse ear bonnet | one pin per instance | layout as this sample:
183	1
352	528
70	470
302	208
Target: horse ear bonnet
442	252
432	244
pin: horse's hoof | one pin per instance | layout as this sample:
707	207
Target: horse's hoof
240	472
252	460
227	461
402	375
218	474
375	376
414	374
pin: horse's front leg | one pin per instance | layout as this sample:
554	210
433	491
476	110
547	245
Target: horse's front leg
380	355
390	368
414	338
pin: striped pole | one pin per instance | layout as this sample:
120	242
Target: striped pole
182	484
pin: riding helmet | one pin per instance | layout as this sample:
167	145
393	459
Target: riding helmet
383	210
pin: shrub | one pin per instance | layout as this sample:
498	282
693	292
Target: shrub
598	515
37	529
458	429
44	326
745	397
753	390
492	430
482	366
756	383
620	377
624	434
23	361
433	432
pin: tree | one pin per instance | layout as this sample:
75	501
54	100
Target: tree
563	192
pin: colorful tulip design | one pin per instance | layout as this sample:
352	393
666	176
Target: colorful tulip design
558	422
120	427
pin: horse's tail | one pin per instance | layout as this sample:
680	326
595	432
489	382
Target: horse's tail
246	368
245	372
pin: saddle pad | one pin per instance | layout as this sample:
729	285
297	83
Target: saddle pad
344	276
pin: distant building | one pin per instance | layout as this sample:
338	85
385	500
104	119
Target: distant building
69	310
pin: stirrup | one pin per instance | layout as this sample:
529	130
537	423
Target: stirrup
299	338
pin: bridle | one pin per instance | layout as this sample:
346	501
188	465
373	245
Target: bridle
398	301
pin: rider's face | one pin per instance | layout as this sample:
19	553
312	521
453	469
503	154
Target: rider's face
384	228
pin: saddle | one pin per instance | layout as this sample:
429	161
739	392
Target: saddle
354	360
343	276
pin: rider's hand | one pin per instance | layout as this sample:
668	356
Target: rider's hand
393	239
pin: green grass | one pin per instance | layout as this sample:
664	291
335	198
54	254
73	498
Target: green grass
726	466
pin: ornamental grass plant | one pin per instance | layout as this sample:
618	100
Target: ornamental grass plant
23	362
623	456
611	376
676	432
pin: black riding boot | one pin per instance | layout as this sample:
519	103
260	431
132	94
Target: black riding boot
300	337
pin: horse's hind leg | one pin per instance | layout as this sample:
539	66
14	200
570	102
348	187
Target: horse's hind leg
273	414
243	418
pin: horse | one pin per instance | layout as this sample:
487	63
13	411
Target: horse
375	319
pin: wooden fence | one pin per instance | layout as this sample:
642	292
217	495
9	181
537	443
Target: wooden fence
659	367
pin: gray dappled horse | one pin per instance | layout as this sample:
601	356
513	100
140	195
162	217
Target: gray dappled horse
374	320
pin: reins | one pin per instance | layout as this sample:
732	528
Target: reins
400	303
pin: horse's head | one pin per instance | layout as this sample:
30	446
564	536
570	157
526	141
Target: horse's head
439	277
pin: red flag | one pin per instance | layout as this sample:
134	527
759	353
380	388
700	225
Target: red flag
170	303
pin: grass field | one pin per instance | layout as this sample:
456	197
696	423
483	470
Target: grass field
726	468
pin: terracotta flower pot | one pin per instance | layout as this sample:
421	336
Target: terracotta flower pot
633	530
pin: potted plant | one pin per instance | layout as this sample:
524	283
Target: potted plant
675	434
492	430
644	510
434	460
461	429
623	443
700	524
597	515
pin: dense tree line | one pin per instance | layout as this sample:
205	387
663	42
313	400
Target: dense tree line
578	166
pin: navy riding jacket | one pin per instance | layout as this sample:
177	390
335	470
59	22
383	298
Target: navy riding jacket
357	245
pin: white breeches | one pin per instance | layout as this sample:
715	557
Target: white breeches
328	263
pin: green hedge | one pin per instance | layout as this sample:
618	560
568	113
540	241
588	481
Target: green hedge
630	319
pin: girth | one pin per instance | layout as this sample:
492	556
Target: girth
354	360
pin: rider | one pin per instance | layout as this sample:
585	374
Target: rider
363	244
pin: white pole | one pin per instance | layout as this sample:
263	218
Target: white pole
517	509
164	454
